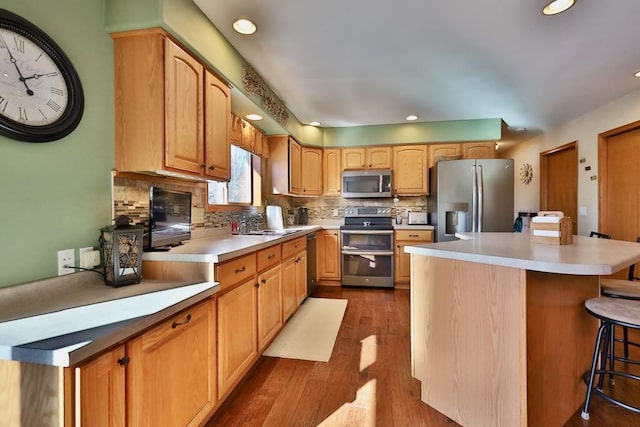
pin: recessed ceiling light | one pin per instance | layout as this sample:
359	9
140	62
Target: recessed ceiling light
520	129
637	74
411	118
244	26
253	117
557	6
315	123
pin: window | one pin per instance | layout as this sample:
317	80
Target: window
240	188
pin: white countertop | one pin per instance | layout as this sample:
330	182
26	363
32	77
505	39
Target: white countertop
586	256
225	247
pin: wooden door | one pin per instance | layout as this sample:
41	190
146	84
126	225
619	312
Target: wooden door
410	173
331	172
559	181
184	127
379	157
328	255
171	375
288	288
301	277
101	396
237	334
619	202
311	171
295	170
269	306
354	158
217	128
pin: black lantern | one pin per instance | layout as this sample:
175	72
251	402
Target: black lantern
122	252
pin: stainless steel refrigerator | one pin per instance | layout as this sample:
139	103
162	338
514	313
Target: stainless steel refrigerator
471	196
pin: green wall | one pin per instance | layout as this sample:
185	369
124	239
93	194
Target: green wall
58	195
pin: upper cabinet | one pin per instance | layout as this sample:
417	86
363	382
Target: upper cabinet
294	169
478	150
374	157
466	150
171	114
311	171
246	136
331	172
410	173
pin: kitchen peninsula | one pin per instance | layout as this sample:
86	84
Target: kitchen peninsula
499	334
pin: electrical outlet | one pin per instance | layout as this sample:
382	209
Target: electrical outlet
66	259
89	257
335	212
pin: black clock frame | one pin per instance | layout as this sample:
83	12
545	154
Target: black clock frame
75	104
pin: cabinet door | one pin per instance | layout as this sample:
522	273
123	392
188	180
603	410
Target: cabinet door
402	263
410	173
331	172
354	158
101	393
379	157
301	277
312	167
438	151
288	288
184	127
328	255
217	128
295	161
478	150
269	306
237	124
171	375
237	334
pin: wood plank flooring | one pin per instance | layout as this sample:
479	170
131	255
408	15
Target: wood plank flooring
367	382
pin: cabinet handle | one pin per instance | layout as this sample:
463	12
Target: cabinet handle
264	281
211	168
369	165
272	256
203	166
414	235
397	246
257	285
186	320
240	270
124	361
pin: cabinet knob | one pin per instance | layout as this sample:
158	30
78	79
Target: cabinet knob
257	285
369	165
240	270
186	320
264	281
272	256
211	168
203	166
124	361
397	246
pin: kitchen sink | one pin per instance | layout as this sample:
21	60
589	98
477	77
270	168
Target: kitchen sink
270	232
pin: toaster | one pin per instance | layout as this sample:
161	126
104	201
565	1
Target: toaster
417	218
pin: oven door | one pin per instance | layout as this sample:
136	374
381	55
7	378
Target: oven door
367	240
361	268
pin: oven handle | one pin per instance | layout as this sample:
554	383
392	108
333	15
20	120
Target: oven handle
366	231
368	253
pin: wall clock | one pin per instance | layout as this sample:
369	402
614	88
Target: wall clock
41	96
526	173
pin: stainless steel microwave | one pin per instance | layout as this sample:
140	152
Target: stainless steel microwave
366	183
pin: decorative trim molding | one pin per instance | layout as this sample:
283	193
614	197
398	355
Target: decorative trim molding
254	84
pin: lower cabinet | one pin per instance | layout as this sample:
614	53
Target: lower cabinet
289	300
328	261
269	288
301	276
237	334
165	376
403	260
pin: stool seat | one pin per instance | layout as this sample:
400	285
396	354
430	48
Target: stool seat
621	311
620	288
612	312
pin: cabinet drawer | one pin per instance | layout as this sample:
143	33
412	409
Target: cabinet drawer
293	247
236	270
268	257
417	235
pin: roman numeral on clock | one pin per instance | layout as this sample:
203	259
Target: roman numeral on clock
51	104
3	103
57	91
19	44
23	114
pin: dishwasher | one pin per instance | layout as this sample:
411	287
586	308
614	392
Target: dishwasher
312	275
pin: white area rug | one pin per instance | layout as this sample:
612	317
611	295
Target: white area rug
311	333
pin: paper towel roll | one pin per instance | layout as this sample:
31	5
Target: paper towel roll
274	218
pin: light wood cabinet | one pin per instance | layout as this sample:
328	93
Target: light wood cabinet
374	157
311	178
403	260
328	252
284	165
269	288
294	275
101	390
162	120
301	276
237	334
478	150
289	300
171	374
331	172
443	151
410	173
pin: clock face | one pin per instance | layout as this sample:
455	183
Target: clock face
41	97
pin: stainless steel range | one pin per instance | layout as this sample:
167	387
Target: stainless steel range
367	247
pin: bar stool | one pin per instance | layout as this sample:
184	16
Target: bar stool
611	312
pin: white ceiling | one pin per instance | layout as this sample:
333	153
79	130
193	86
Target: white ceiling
367	62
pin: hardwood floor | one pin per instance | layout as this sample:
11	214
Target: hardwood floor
367	382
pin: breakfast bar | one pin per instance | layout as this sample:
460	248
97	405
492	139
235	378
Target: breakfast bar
499	333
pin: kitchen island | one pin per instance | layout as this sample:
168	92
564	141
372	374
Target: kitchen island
499	334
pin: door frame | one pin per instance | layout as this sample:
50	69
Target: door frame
603	196
544	164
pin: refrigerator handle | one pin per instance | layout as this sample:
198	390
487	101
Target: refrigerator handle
474	199
480	190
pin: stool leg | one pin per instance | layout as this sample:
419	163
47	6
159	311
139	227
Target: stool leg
611	353
605	353
625	336
594	362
